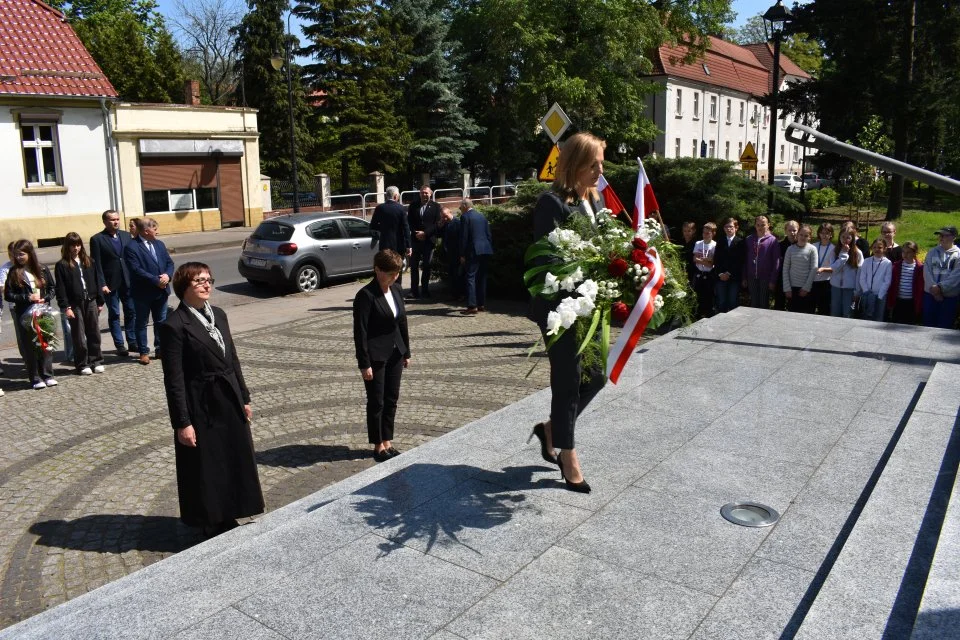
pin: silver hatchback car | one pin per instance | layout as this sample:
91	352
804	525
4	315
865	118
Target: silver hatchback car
304	250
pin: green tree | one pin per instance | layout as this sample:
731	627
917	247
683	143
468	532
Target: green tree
132	45
586	55
260	36
358	55
441	134
799	47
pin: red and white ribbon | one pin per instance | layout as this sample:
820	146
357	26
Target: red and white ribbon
638	320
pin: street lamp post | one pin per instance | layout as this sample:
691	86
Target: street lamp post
277	62
776	16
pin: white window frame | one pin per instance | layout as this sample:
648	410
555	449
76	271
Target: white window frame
782	150
729	110
743	113
714	108
34	124
173	197
696	106
696	148
739	150
679	105
676	147
712	149
726	150
763	153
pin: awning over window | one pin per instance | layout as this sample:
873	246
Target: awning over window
163	147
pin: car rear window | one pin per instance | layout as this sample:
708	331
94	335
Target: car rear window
273	231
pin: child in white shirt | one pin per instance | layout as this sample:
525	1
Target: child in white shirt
873	282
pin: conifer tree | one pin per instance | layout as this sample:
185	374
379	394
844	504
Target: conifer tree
260	36
357	59
441	133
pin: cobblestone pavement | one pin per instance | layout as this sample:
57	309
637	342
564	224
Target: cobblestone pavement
87	485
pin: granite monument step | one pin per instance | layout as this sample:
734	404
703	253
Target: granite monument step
472	535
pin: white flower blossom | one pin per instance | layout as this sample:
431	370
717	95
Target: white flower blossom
567	284
577	275
679	294
568	312
553	323
658	303
550	283
588	289
584	306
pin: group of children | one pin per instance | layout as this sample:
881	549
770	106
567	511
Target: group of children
846	277
77	288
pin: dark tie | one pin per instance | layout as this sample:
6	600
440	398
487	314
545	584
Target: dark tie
153	252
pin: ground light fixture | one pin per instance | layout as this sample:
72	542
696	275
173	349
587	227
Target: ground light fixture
749	514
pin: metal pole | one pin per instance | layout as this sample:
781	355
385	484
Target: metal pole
293	144
773	116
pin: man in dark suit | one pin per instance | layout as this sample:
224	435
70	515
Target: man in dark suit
390	221
151	270
424	219
476	247
106	249
450	232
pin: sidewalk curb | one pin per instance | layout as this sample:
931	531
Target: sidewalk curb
205	247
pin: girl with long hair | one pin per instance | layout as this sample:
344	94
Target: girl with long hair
80	297
843	277
29	283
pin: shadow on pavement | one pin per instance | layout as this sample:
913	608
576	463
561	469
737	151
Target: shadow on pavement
477	499
305	455
117	533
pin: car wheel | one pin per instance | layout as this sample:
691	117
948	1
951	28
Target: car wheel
307	278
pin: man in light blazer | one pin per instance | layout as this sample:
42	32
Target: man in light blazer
106	250
476	247
151	270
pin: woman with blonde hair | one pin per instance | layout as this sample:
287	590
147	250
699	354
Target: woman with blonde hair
574	192
80	297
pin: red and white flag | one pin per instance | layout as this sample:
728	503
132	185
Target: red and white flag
645	203
610	199
638	319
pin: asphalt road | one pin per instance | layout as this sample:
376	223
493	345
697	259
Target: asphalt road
231	289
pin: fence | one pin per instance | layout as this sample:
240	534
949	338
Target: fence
362	204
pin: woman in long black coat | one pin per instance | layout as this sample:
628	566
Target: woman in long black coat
209	409
383	349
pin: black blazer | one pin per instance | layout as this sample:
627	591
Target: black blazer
111	268
19	293
390	220
730	259
376	332
428	221
205	388
70	288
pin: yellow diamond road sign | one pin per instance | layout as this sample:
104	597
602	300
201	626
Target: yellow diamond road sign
749	154
549	170
555	122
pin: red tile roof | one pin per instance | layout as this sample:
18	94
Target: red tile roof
41	55
764	53
730	66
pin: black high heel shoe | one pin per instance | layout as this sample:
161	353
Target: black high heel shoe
577	487
540	430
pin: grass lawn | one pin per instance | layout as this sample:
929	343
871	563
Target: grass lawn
918	222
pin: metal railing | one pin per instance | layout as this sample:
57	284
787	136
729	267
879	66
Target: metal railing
363	204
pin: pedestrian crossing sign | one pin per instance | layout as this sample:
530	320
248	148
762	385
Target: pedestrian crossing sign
548	172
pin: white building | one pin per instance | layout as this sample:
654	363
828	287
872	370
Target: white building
710	108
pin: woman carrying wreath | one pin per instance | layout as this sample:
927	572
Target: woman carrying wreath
574	192
209	406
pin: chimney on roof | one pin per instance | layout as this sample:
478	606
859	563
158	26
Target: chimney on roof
191	93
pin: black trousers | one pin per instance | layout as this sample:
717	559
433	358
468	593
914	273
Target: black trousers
38	365
704	283
903	311
570	391
85	331
821	297
420	266
383	392
798	303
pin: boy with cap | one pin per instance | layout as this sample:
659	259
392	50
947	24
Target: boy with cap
941	281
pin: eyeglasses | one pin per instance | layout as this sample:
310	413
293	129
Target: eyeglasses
199	282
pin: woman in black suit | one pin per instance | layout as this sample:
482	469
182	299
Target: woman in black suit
80	297
209	409
574	192
728	259
383	349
